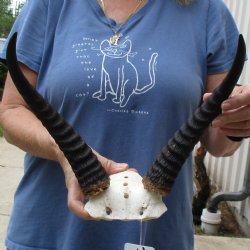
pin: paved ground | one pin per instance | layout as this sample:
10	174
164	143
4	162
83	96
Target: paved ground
11	161
11	171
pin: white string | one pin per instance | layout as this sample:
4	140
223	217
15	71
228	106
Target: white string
140	232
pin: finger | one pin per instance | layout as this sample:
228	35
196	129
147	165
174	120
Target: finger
236	101
77	208
133	169
235	132
237	90
237	125
206	96
110	166
75	200
239	115
114	167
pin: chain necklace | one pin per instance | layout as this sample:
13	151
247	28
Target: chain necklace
114	39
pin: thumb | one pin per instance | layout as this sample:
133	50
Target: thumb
113	167
206	96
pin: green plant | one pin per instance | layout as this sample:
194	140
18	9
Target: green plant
1	132
8	14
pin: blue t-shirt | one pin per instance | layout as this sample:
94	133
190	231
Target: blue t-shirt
126	100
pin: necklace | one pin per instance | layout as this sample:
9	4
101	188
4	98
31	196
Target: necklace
116	36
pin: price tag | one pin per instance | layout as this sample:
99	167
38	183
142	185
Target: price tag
129	246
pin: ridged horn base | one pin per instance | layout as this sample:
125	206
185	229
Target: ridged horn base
154	186
97	188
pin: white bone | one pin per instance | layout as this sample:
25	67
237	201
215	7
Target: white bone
126	199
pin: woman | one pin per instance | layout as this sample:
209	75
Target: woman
126	74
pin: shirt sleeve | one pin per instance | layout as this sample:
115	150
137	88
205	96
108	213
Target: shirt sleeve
222	38
31	28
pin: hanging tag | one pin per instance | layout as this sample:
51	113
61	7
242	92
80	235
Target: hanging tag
129	246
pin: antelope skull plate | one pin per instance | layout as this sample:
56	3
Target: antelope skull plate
126	199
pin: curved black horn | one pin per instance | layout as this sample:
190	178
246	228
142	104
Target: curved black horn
88	170
162	174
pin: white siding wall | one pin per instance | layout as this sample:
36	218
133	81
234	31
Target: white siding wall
228	173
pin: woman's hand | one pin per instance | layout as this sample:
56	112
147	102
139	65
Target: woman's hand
235	117
75	194
234	121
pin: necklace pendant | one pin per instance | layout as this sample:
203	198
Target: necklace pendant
114	39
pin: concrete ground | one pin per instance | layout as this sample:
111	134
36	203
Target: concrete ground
11	170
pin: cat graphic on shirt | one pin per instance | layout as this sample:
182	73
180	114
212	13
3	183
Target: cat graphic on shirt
124	83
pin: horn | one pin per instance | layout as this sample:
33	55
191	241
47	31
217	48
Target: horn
91	176
161	176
